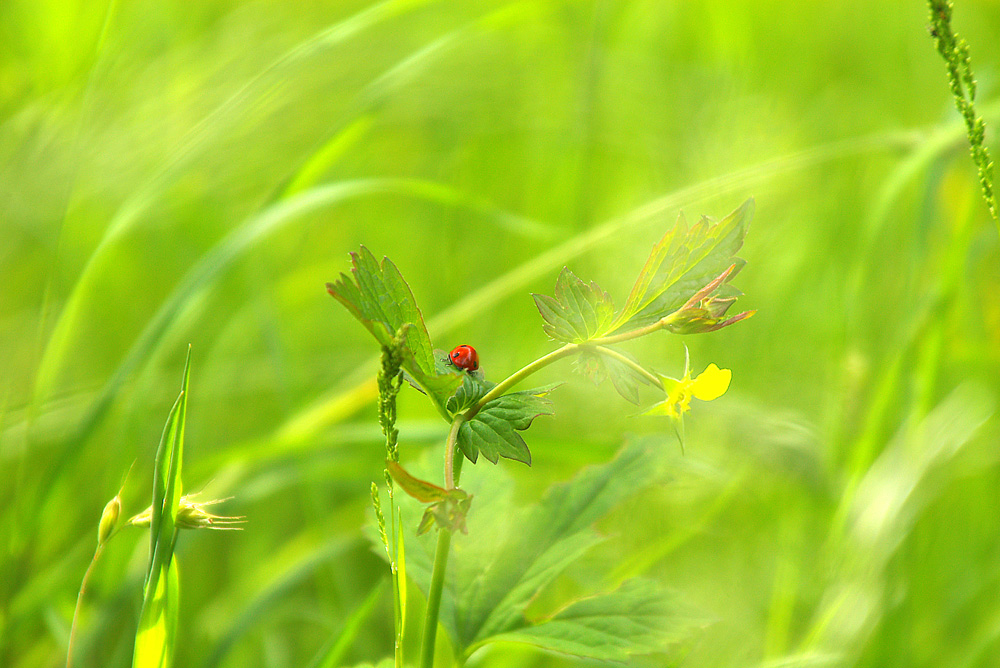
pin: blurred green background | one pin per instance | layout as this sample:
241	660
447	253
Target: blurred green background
193	172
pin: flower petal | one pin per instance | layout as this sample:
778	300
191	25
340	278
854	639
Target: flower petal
711	383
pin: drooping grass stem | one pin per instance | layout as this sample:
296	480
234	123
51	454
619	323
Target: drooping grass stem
79	605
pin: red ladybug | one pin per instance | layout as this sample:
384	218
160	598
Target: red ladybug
465	357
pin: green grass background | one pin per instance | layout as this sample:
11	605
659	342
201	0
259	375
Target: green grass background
193	172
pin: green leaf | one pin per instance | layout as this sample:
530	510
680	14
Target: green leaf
638	618
381	300
472	389
623	378
154	639
578	312
491	582
685	260
493	431
332	654
447	514
158	619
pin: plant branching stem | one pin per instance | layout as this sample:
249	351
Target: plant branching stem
453	466
632	364
568	349
516	377
662	323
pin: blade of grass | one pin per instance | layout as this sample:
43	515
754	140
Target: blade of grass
158	618
274	593
399	589
333	654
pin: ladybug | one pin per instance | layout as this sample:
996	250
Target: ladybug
465	357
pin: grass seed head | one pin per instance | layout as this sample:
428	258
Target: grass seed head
193	515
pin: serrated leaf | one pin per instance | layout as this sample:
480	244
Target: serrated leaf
578	312
491	582
379	297
449	514
623	378
493	430
638	618
683	261
472	389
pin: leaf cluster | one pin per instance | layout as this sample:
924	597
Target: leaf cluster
684	260
684	287
381	300
521	551
493	430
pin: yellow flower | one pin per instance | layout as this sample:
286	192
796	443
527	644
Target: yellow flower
710	384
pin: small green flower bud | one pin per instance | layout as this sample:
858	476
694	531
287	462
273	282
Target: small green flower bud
109	520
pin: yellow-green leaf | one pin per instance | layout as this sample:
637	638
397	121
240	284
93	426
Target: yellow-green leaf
682	262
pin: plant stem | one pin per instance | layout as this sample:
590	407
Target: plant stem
518	376
79	604
434	599
449	452
453	466
632	364
634	333
596	344
452	472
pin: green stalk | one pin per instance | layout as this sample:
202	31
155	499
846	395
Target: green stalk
434	598
595	344
451	445
453	469
632	364
520	375
79	605
634	333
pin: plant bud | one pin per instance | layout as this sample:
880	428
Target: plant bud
109	520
